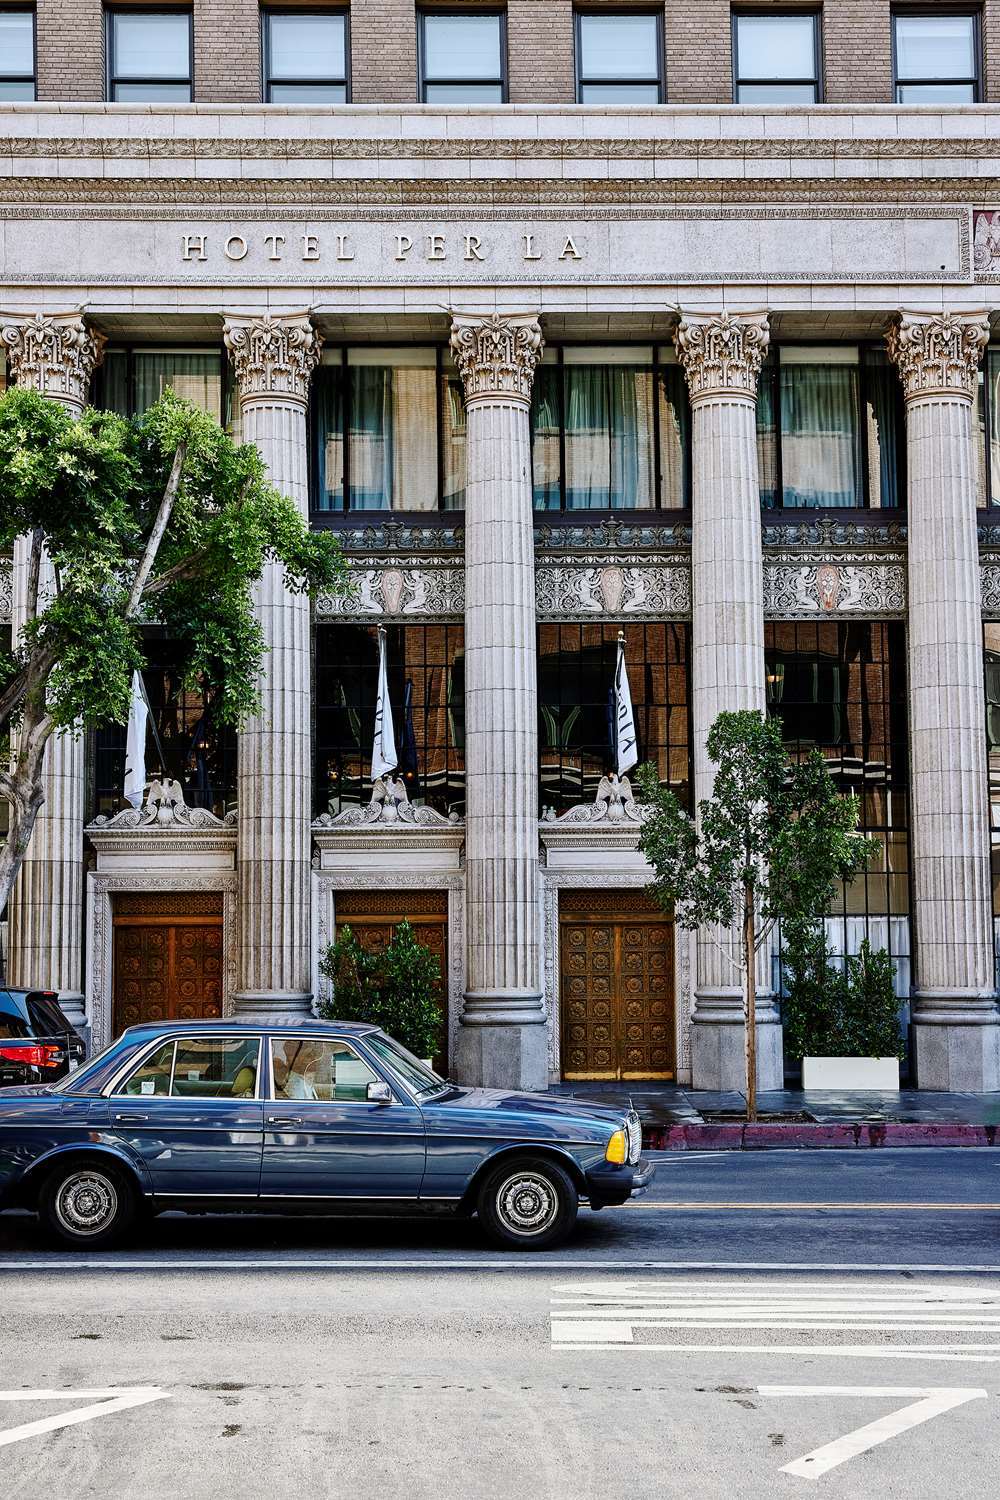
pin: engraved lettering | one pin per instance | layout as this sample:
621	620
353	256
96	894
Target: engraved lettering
473	247
236	247
310	247
530	253
194	246
404	245
276	242
343	252
569	250
435	247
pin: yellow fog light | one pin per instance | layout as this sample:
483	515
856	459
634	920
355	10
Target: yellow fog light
617	1151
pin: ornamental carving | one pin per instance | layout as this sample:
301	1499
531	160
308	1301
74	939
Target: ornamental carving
496	356
390	806
989	573
401	592
575	589
722	353
6	590
938	354
54	355
803	586
614	803
273	357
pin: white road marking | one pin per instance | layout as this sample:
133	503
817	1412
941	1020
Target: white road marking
104	1402
932	1402
607	1314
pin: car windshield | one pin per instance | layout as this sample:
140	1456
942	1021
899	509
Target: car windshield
418	1077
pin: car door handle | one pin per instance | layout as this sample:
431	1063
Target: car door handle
130	1119
284	1119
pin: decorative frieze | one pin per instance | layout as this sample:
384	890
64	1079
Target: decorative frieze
611	536
938	354
6	590
722	353
427	586
596	586
496	356
54	354
797	586
273	357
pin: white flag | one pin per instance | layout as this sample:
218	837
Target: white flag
135	745
384	756
625	748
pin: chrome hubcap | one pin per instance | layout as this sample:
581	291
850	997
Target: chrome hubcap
527	1203
86	1203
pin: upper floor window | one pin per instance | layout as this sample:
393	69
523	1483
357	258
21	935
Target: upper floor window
462	57
830	428
17	54
618	58
388	431
305	57
936	57
130	380
149	56
776	58
610	429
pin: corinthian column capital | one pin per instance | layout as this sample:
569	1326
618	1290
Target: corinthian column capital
497	355
54	354
938	353
722	353
273	357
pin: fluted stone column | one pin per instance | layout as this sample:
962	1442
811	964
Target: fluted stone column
274	359
956	1030
721	354
56	356
502	1041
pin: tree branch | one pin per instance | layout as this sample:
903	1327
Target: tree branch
34	572
179	570
159	527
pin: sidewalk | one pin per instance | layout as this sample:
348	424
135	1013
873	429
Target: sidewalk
680	1119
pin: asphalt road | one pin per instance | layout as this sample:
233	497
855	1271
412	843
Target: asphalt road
241	1358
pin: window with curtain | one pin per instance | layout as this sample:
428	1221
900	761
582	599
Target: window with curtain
610	430
841	688
426	672
130	380
830	429
576	667
388	431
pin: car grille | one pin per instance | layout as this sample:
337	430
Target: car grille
633	1131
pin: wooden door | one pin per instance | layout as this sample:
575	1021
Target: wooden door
168	958
616	987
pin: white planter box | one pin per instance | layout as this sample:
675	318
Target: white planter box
850	1073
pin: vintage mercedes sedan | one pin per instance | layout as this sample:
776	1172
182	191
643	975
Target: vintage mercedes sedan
320	1117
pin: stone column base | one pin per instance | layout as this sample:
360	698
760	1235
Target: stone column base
275	1007
503	1043
956	1043
718	1044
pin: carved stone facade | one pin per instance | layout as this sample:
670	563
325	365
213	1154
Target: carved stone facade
273	357
496	356
722	353
938	354
55	355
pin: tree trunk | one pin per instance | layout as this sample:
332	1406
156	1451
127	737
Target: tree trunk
750	965
24	792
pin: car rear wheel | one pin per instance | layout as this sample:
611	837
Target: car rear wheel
87	1205
528	1204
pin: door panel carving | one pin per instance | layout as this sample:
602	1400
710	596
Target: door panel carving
166	968
617	994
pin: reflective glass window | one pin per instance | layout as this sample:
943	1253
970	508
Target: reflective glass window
17	54
215	1067
149	56
776	58
305	57
462	58
618	58
936	58
308	1068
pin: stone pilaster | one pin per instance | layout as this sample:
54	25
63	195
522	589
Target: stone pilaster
502	1041
956	1030
721	354
55	355
273	359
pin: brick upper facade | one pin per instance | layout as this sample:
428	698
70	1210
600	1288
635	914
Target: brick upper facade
856	48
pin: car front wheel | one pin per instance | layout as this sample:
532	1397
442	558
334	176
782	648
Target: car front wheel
88	1205
528	1204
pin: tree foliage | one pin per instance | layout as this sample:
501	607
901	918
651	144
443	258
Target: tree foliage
396	987
163	517
833	1011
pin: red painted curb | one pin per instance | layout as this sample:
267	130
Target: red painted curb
853	1135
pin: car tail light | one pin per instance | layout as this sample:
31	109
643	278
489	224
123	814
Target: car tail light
36	1055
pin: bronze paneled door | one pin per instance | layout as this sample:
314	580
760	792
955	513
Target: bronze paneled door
616	987
168	959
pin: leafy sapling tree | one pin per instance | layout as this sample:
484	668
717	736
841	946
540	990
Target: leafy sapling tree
397	987
162	517
773	837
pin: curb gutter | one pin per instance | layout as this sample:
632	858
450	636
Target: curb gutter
852	1135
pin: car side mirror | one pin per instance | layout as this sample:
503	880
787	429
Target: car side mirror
379	1093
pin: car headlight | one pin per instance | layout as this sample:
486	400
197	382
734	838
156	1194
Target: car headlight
617	1152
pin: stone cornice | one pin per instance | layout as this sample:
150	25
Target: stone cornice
272	357
938	354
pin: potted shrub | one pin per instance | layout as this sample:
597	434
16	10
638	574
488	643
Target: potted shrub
844	1024
396	987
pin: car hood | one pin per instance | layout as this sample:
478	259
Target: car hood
504	1102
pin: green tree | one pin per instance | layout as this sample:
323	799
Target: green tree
396	987
774	839
163	516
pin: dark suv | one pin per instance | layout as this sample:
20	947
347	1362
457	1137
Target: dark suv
37	1043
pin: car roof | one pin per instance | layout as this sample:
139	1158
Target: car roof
254	1028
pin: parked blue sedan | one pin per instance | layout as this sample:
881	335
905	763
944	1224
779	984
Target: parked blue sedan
320	1117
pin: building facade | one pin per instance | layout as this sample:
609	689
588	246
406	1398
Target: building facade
573	325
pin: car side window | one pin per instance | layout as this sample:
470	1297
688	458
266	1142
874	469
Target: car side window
152	1076
329	1072
215	1067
